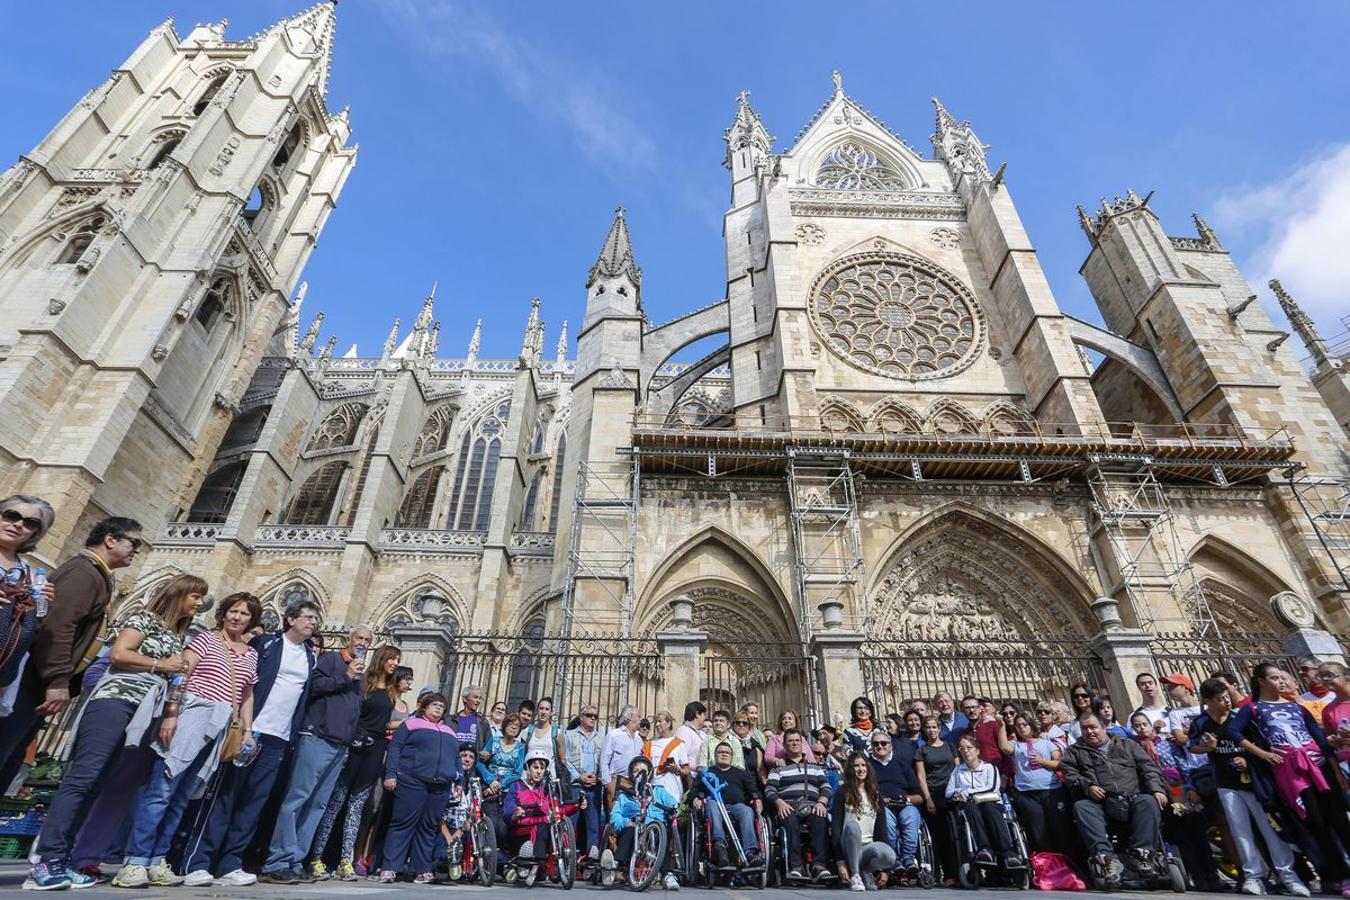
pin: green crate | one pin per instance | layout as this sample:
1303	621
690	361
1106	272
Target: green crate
15	847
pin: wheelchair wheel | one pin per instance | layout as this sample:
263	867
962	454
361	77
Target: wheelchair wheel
1176	876
565	853
649	851
485	851
968	874
766	853
926	880
593	871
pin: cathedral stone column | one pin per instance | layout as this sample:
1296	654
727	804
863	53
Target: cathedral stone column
681	647
425	647
1125	652
838	655
1304	637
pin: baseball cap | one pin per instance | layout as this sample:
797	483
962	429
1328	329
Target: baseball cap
1180	680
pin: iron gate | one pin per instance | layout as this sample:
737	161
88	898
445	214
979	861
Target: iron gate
899	672
1201	657
774	675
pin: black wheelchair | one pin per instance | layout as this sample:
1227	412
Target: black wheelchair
1011	868
701	865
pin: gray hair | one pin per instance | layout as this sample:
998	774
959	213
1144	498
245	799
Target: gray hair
464	695
46	514
627	714
362	627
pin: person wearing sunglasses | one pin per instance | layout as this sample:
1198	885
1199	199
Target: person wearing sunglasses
23	521
61	649
1080	701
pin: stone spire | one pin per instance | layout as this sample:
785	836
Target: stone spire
391	341
307	345
527	344
561	356
956	144
433	341
1206	233
616	256
475	341
327	352
747	132
291	324
1303	325
311	33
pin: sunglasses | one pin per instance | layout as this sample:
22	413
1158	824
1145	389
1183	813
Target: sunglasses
741	722
135	542
881	743
1080	696
588	715
29	522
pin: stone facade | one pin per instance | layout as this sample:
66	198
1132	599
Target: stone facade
900	453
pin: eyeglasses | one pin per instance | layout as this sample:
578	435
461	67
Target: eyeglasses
29	522
588	715
741	722
1327	676
1080	696
881	743
135	542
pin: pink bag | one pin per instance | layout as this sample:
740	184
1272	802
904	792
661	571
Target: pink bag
1054	872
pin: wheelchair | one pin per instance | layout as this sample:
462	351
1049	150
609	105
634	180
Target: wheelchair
1169	872
477	857
778	872
652	844
925	857
700	865
970	872
561	862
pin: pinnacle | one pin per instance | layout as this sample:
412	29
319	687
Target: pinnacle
616	255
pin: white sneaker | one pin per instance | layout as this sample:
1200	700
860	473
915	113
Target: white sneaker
1253	887
1297	888
199	878
131	876
671	882
856	883
607	859
237	878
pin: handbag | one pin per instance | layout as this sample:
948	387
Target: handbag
234	735
1054	872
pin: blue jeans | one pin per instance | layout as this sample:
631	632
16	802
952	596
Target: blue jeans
590	816
742	816
318	762
159	808
236	809
902	832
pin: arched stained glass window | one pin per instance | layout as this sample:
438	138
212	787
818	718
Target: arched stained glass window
558	459
338	429
314	502
420	503
476	471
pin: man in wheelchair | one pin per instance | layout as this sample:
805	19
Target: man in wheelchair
636	801
799	795
736	791
1115	783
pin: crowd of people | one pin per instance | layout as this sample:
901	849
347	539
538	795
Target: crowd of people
233	755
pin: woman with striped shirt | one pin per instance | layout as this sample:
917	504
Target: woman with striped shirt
218	693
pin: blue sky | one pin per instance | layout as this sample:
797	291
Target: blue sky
497	138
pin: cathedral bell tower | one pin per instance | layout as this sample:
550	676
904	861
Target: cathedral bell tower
148	245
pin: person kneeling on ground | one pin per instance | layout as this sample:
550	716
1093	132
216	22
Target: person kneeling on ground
974	789
735	789
1113	780
527	809
864	857
623	819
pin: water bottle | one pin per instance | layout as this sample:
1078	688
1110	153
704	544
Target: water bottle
248	751
176	689
39	582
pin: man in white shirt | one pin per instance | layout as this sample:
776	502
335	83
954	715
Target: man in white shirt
1155	705
285	662
691	732
621	745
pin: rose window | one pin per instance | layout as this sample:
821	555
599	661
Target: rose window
897	315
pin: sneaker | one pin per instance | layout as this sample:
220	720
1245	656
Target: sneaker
984	857
527	851
1297	889
855	883
131	876
820	873
319	871
387	876
95	873
423	878
345	871
47	877
670	882
720	858
1110	866
593	854
530	875
163	876
281	876
1011	861
302	875
795	873
198	878
869	882
606	876
1141	861
911	870
237	878
1252	886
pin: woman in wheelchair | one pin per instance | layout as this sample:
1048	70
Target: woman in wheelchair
858	822
629	811
974	790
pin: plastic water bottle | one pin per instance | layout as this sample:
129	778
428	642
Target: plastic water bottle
249	751
39	582
176	689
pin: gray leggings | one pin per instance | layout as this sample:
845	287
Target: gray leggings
863	859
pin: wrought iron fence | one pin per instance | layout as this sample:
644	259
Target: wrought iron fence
608	672
773	675
1202	657
898	672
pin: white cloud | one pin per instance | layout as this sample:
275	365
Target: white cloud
549	86
1297	229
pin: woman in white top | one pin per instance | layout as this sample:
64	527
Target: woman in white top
859	828
544	738
974	788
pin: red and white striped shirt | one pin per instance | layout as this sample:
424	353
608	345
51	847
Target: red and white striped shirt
210	680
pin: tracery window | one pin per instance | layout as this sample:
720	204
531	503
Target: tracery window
531	498
559	458
373	434
475	476
288	147
80	240
435	433
211	90
217	494
314	502
854	166
339	428
420	504
897	315
166	145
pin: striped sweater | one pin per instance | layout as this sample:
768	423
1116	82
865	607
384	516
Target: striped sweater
798	784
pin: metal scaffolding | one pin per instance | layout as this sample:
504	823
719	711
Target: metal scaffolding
602	545
1156	575
1326	504
826	536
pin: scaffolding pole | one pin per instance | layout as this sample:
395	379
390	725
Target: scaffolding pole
1156	575
826	534
1326	504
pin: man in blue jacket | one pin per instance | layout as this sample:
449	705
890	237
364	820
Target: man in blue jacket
285	664
899	786
334	705
952	723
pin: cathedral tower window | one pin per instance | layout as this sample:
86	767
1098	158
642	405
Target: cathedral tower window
420	504
853	166
476	474
162	149
338	429
372	435
80	240
531	499
287	148
211	90
314	502
216	497
435	433
213	304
